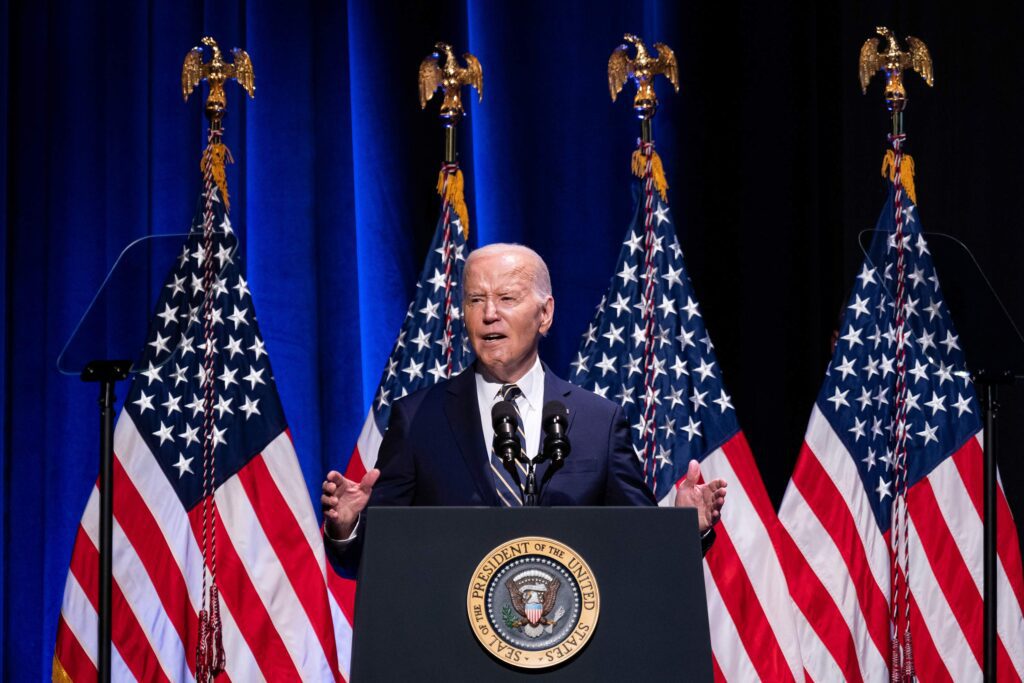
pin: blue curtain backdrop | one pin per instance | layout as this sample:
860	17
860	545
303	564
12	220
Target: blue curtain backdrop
771	151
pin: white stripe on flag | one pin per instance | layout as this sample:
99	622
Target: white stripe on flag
271	582
733	659
283	466
241	664
142	598
817	662
163	503
949	640
342	636
826	561
80	616
837	461
754	550
82	622
369	442
968	532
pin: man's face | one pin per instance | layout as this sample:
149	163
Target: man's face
504	318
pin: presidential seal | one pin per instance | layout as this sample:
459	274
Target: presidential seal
533	602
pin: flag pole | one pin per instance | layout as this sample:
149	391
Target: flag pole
643	68
450	78
210	655
893	61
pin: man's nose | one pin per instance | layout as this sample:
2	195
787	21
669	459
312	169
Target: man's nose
490	311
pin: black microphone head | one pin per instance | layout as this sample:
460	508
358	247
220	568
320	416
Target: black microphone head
503	412
555	412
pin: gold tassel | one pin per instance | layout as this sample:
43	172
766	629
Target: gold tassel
906	172
455	195
657	171
59	675
218	154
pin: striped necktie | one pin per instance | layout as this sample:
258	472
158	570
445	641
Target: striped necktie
510	494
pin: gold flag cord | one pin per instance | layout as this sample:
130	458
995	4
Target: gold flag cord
906	172
451	188
639	166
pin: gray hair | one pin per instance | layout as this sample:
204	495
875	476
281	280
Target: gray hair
539	269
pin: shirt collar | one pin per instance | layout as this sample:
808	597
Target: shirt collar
531	384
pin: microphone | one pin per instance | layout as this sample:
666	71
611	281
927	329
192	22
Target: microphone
555	423
506	443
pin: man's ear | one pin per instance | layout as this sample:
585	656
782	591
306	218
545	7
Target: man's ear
547	315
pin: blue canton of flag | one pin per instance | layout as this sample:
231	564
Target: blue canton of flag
858	395
420	356
166	399
693	415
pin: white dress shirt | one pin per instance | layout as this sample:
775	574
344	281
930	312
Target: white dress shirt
530	405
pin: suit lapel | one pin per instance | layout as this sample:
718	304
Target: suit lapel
463	413
555	389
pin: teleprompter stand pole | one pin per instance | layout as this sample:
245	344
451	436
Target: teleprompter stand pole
107	373
988	383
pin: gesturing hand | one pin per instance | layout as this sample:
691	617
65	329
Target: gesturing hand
708	498
342	500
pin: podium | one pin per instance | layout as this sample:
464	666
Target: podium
456	594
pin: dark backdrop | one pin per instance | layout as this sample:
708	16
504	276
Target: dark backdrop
772	154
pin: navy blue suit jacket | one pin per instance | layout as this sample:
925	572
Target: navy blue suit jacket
434	454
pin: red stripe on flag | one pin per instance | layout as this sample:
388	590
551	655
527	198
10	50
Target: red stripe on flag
355	470
142	531
810	594
344	592
126	633
719	676
950	570
819	608
826	501
293	552
72	656
928	664
948	565
739	597
737	450
246	604
970	463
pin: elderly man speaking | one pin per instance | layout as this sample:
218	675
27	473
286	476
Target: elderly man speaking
436	450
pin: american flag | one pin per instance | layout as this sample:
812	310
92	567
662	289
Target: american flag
431	346
647	348
839	507
279	620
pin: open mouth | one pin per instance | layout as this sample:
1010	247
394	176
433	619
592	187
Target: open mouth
493	337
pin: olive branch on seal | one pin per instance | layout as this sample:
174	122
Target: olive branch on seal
508	616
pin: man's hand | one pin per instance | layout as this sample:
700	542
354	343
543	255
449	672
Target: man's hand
707	498
343	500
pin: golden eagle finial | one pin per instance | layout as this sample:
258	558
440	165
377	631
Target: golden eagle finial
450	78
216	71
893	62
642	69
